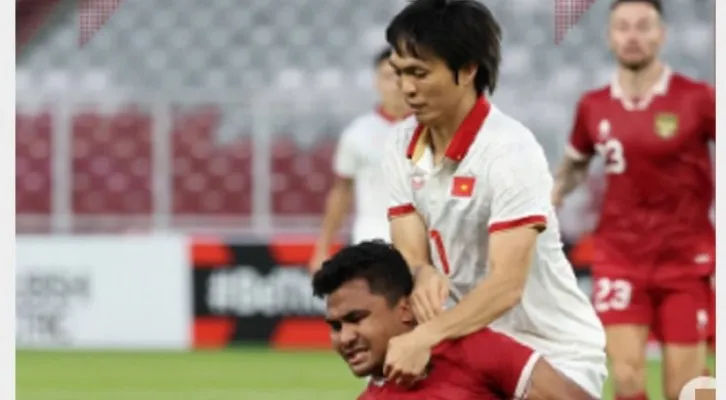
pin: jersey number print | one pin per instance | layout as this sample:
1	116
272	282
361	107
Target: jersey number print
612	151
441	250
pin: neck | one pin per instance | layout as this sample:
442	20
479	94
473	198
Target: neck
395	113
443	131
639	83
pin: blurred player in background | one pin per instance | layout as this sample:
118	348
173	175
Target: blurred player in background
471	185
654	244
357	168
367	289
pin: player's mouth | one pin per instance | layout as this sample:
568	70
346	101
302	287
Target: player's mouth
356	357
416	107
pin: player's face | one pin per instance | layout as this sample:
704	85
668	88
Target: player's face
361	325
387	86
636	34
428	85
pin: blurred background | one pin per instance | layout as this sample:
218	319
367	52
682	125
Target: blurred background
172	162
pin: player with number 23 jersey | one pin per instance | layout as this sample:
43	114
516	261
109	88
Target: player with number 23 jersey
654	230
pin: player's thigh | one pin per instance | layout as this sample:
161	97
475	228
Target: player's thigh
682	322
590	375
626	311
620	300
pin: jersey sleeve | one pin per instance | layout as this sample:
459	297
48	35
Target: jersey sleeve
395	172
520	185
502	363
345	158
709	113
580	145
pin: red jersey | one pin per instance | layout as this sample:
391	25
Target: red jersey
660	183
482	366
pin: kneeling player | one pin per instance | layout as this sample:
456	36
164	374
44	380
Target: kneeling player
367	286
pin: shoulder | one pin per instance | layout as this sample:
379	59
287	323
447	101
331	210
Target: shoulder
361	124
681	85
594	96
503	136
482	350
401	135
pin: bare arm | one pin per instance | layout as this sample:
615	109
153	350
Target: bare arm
570	174
511	253
546	383
337	207
409	236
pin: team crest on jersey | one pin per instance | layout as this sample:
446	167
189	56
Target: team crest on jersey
666	125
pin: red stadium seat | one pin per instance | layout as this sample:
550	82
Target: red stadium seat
33	179
301	177
209	179
112	164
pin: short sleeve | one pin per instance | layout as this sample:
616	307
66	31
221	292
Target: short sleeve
502	363
709	113
520	185
580	146
398	185
345	161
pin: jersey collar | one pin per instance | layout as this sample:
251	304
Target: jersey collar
386	116
463	138
659	89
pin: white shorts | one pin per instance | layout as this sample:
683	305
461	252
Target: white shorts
588	375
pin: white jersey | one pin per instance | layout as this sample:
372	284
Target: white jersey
495	176
358	157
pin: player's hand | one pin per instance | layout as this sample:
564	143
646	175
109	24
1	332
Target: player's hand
430	291
407	357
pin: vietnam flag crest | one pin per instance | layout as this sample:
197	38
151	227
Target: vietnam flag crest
463	186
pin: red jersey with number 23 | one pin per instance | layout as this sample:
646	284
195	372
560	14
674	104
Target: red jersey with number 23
660	184
484	365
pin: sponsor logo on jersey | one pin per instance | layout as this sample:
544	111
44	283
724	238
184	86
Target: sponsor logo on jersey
666	125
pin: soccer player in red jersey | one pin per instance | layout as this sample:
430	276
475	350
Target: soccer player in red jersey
367	288
654	244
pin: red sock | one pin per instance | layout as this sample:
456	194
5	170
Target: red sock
641	396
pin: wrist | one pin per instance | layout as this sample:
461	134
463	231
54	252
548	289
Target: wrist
428	335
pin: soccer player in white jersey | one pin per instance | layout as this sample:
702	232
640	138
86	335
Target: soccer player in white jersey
469	190
357	165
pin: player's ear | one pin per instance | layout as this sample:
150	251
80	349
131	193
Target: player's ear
467	74
406	311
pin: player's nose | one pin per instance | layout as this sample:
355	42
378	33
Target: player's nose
407	86
348	335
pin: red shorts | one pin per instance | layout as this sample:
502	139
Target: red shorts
677	311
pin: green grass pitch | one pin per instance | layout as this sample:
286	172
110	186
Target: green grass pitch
240	374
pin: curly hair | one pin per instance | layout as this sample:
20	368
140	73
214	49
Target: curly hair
378	263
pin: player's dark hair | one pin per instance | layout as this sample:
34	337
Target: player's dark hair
378	263
461	32
657	4
381	57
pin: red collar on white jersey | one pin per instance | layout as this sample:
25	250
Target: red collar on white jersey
385	115
463	138
659	89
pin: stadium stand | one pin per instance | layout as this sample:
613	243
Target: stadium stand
218	115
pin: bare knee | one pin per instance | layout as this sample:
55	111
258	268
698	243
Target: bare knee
629	376
626	349
680	365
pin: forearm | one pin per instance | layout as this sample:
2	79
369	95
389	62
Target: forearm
337	207
408	235
493	297
570	175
